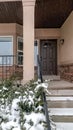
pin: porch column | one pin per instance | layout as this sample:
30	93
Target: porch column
28	40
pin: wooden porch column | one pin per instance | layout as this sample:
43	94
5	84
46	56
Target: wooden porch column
28	40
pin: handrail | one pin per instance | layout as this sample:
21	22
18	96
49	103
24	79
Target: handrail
44	96
46	112
39	69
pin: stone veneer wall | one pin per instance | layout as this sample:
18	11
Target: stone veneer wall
66	71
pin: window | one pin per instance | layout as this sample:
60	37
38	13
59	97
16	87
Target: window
35	52
6	50
20	51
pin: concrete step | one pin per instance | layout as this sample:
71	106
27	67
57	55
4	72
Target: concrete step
61	118
63	126
60	105
59	85
59	98
60	111
60	102
51	77
61	92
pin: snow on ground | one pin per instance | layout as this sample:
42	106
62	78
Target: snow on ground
21	109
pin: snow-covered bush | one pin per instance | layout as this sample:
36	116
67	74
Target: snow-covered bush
21	108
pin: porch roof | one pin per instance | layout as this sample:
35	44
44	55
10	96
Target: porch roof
48	13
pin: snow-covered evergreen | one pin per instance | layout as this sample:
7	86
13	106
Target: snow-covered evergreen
21	108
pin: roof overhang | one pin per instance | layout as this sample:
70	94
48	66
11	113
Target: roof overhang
48	13
9	0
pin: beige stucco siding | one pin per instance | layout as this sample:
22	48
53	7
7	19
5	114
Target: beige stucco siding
66	50
7	29
47	33
19	30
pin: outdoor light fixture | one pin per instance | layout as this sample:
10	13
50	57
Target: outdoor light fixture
61	41
45	45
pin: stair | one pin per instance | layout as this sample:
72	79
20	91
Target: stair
60	105
51	77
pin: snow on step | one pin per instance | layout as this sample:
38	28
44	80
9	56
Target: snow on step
60	111
59	98
61	92
64	126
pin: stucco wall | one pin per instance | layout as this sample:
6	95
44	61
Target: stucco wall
47	33
7	29
19	30
66	50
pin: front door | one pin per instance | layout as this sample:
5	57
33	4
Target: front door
48	55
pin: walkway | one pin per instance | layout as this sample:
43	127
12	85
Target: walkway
60	105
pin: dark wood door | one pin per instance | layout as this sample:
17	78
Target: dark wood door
48	54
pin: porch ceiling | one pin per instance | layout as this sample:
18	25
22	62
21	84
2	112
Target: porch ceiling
48	13
52	13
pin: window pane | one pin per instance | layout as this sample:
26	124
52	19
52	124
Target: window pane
6	49
6	60
20	58
20	44
6	46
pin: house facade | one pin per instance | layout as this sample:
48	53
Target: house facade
37	27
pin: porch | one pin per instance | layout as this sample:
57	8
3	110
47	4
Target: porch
53	23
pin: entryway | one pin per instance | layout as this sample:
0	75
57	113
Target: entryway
48	54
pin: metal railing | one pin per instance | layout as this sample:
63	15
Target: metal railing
9	66
44	95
